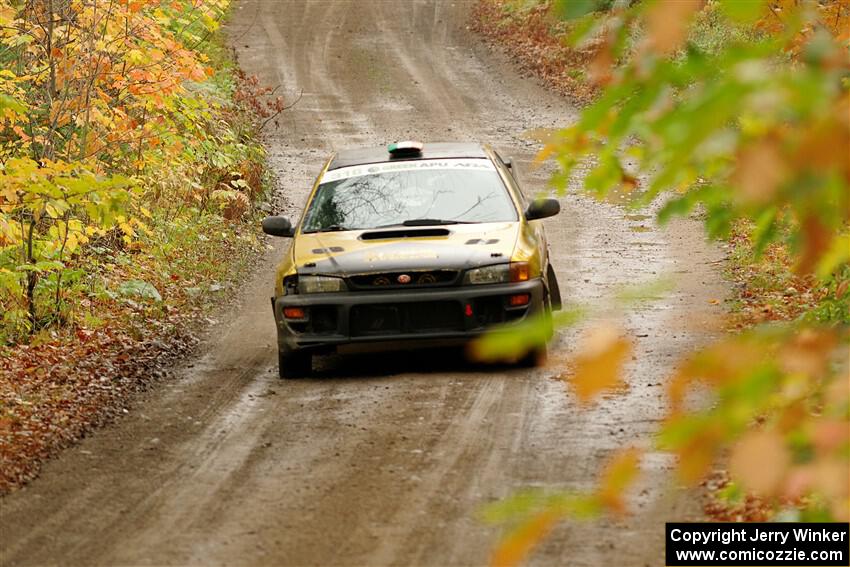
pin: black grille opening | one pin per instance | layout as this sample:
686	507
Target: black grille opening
434	316
374	320
406	318
488	311
399	280
323	319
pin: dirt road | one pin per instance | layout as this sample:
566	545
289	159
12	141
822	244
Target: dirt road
381	459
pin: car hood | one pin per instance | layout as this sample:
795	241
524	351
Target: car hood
459	246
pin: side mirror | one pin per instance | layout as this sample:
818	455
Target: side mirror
542	208
509	163
278	226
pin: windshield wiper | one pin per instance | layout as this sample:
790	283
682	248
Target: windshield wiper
331	228
431	222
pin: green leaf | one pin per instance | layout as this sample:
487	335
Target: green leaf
43	266
12	103
140	288
513	341
743	11
515	507
571	9
584	30
764	231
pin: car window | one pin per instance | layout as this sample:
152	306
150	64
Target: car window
387	194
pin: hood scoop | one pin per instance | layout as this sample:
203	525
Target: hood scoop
404	233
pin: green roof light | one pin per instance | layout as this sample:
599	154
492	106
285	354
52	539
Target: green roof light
406	148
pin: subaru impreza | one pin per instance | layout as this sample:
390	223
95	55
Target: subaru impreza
410	245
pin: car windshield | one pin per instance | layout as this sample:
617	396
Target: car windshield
413	193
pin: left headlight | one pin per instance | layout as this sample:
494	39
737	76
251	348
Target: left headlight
498	273
320	284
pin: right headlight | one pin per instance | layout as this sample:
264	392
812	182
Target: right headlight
320	284
498	273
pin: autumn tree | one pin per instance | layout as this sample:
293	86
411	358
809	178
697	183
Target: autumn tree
754	135
111	115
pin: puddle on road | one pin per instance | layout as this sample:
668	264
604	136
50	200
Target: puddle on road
619	196
540	135
639	218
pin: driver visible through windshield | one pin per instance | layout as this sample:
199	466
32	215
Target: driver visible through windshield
411	193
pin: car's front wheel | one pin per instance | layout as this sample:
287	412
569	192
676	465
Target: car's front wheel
295	364
538	354
534	357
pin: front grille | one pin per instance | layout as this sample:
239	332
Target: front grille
399	280
406	318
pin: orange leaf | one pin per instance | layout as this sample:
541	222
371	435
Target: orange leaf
824	144
716	365
829	434
628	182
667	23
544	154
841	289
599	364
759	171
600	67
697	455
760	462
617	477
807	354
816	240
513	549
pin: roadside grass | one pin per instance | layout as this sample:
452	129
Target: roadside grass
535	40
767	288
72	378
538	41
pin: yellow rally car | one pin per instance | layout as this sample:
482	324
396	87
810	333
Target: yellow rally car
410	245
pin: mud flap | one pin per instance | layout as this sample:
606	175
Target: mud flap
554	289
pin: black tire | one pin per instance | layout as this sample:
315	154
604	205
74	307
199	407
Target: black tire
537	355
296	364
547	317
554	289
534	358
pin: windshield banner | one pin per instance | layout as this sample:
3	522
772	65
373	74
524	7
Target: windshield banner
390	167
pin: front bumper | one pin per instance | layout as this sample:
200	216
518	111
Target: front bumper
457	313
